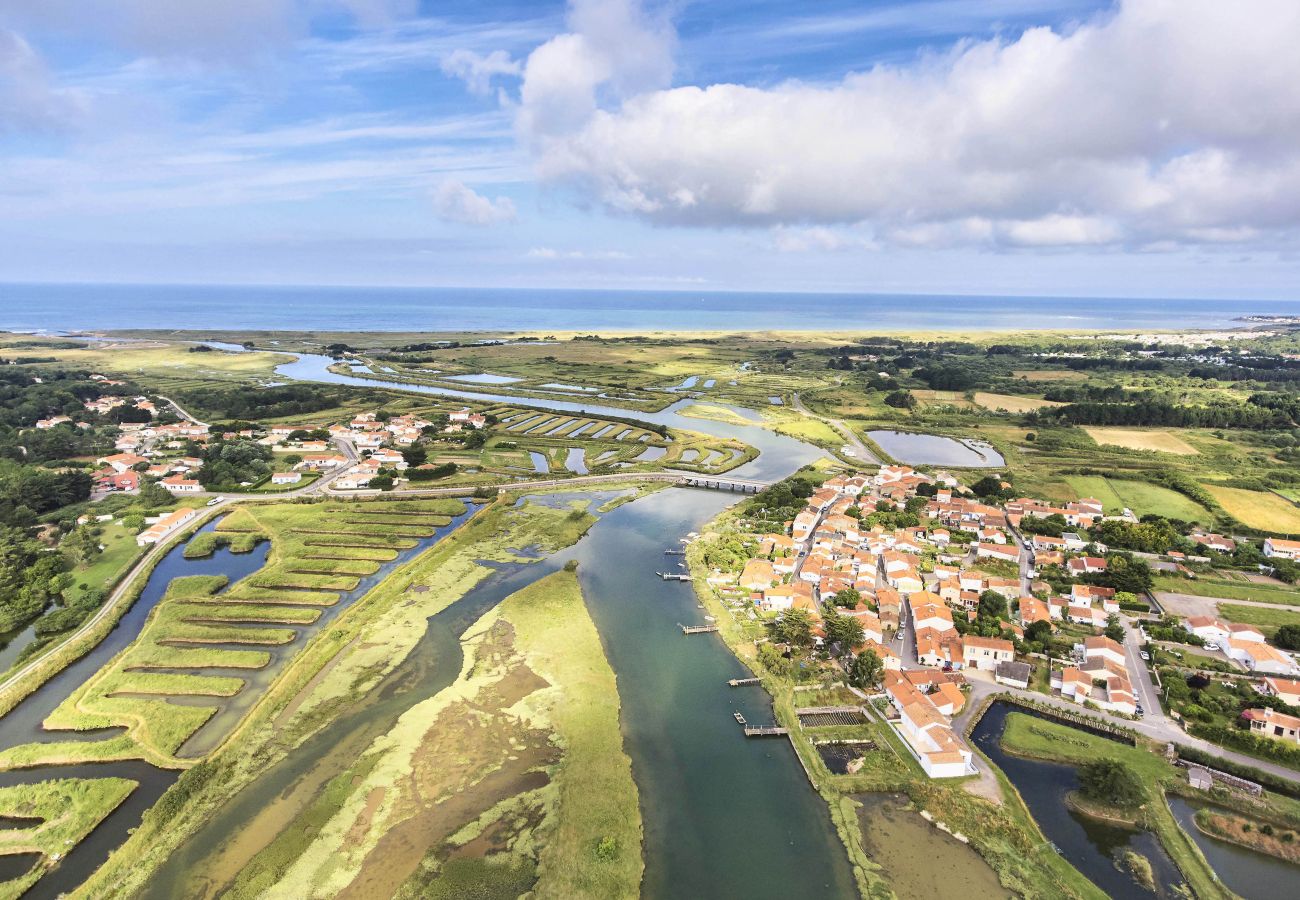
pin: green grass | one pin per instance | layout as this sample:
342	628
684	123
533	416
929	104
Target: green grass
597	798
102	572
1229	590
1269	620
1116	494
70	808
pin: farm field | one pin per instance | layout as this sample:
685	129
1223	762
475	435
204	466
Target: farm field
1139	439
1258	509
1050	375
1012	403
1142	498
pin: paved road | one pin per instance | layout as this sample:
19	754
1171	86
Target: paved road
1141	676
1026	563
181	412
860	450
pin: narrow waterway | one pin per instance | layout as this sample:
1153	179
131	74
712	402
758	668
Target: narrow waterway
1255	876
23	724
1090	846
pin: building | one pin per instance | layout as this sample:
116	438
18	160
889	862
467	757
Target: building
1013	674
1276	547
286	477
985	653
1273	724
1260	657
178	484
166	526
926	731
1285	689
758	575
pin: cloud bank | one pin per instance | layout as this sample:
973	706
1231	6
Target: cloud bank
1163	122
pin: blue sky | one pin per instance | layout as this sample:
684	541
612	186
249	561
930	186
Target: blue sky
1143	148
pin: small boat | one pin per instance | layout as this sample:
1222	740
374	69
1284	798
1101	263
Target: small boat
739	718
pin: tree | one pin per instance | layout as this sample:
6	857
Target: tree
1114	630
843	630
866	670
82	544
900	400
992	605
848	598
1110	781
1288	637
794	628
415	456
988	488
1039	632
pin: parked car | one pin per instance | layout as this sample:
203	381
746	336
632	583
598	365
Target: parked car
1144	656
1211	645
215	500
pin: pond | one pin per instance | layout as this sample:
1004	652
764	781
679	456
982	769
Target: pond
1090	846
1243	871
484	378
908	847
541	465
559	386
575	461
915	449
13	643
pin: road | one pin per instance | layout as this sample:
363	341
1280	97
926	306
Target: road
181	412
1026	563
1141	676
860	450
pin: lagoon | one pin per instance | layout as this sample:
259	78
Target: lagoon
916	449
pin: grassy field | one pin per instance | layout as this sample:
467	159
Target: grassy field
119	554
1012	403
1265	511
1032	737
1142	498
1141	439
1229	590
1269	620
70	809
1050	375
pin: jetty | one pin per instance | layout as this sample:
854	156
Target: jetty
753	731
673	576
738	717
674	553
744	682
696	629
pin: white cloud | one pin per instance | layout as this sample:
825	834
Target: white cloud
455	202
477	69
551	254
803	240
1161	120
29	99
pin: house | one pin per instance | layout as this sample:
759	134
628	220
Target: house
1246	633
1102	647
1285	689
166	526
926	731
947	698
778	599
758	575
1033	610
984	653
1217	542
1276	547
286	477
322	461
1260	657
1273	724
928	612
110	480
122	461
1208	628
1013	674
178	484
387	457
1086	565
1008	552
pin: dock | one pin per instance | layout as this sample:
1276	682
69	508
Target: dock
765	731
744	682
696	629
739	718
674	553
673	576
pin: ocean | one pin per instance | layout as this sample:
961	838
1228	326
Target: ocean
74	307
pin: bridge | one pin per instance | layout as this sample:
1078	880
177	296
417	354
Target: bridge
675	479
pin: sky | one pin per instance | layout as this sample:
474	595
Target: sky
1144	148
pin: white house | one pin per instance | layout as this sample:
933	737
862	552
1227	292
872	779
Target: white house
1282	549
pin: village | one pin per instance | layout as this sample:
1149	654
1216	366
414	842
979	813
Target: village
927	598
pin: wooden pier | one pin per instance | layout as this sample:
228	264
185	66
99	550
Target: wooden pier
765	731
744	682
674	553
673	576
696	629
